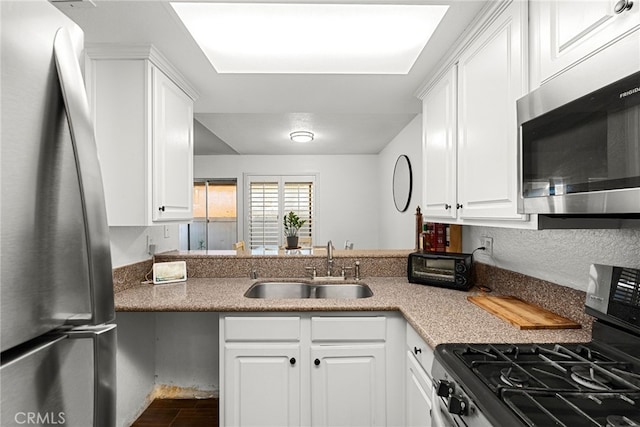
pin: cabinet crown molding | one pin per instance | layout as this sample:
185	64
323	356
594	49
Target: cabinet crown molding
489	13
142	51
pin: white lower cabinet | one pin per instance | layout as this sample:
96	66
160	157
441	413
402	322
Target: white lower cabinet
419	394
311	369
418	382
263	386
348	386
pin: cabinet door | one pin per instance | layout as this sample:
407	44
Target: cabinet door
491	77
570	31
261	385
348	385
439	112
419	394
172	150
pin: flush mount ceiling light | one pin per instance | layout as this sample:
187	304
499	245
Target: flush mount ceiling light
301	136
310	38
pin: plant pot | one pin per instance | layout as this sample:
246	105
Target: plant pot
292	242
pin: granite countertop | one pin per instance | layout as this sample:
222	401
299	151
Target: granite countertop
316	251
438	315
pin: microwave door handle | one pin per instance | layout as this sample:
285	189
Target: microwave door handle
89	177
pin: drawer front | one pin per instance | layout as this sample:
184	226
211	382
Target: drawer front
420	349
262	329
337	329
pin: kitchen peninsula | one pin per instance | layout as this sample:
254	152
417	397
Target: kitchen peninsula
186	319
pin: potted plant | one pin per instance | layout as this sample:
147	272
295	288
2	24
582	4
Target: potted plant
292	223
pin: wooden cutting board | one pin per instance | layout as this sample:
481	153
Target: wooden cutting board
521	314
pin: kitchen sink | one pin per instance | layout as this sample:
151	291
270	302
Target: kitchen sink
343	291
297	290
279	290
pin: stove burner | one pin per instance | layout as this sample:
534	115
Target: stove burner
586	376
513	378
620	421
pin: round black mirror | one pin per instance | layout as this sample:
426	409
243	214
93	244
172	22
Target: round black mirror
402	183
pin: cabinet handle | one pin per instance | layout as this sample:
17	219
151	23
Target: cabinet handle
622	5
458	205
447	207
161	208
292	360
316	362
417	350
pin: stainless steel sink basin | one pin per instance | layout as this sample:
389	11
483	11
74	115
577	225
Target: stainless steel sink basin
343	291
279	290
297	290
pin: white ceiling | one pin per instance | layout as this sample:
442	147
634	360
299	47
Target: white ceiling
254	113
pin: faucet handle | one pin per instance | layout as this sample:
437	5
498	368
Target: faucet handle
344	270
314	273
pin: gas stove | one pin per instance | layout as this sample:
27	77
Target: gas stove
559	384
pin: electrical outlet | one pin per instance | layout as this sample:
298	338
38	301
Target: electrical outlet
166	231
487	242
151	247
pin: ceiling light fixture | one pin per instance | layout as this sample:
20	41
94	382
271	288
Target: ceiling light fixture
301	136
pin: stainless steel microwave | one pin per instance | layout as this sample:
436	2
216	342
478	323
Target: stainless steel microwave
580	156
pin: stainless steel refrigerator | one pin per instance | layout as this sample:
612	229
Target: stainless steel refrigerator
56	300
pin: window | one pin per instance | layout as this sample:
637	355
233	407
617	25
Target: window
215	223
269	198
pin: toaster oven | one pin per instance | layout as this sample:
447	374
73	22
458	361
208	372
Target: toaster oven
443	269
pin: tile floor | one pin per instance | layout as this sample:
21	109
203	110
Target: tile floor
180	413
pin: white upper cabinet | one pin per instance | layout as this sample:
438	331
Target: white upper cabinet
470	126
173	150
143	114
491	78
439	114
565	33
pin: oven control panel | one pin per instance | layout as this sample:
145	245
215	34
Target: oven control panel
453	404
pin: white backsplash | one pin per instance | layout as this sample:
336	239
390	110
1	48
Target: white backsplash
558	256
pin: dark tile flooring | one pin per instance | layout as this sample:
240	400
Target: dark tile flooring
180	413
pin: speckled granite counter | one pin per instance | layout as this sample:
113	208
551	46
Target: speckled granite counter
439	315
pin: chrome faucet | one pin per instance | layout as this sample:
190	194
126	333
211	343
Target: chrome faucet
329	258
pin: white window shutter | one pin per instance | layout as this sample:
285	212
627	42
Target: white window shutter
264	220
269	199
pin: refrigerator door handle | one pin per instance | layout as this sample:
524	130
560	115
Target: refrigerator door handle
104	350
90	179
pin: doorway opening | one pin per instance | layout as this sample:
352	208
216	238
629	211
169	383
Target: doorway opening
215	216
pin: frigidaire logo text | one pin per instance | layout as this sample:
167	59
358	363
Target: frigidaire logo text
40	418
629	92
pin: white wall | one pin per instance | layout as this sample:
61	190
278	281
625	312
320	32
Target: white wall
397	229
135	364
187	350
558	256
347	197
129	244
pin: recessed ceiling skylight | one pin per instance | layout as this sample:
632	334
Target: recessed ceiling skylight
311	38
